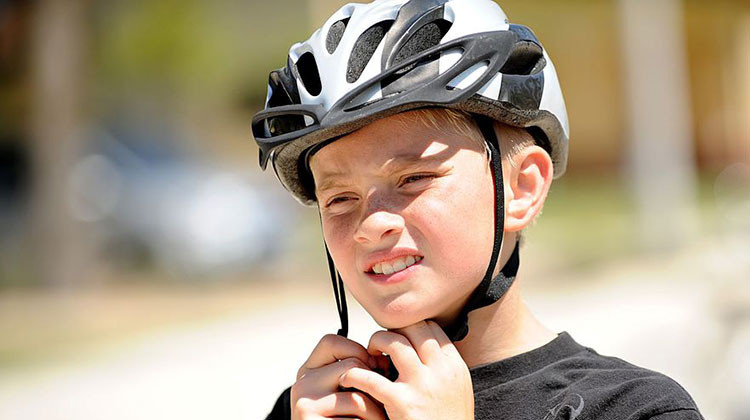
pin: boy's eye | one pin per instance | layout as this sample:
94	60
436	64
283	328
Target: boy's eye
414	178
338	200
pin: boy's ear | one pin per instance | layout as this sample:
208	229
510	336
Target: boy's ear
526	186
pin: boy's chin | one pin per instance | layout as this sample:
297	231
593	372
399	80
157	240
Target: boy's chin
394	325
393	317
398	321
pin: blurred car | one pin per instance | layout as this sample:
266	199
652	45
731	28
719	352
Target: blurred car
148	198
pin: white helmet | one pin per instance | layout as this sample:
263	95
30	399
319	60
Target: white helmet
372	60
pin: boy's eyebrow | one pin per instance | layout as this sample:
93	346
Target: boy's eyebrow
396	162
330	181
407	159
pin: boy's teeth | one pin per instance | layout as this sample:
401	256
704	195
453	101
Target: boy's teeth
395	265
387	268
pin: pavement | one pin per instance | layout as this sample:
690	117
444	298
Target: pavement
685	313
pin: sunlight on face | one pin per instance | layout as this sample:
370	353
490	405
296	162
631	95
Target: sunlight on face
434	148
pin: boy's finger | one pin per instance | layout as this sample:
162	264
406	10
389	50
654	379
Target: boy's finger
403	355
325	379
375	385
440	335
445	343
351	404
422	338
332	348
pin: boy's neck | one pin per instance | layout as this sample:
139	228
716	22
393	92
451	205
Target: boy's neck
501	330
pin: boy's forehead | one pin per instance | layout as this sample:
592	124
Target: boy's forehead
397	138
392	158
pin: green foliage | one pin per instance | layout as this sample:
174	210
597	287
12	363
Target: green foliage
193	47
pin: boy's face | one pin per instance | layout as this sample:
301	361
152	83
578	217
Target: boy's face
399	192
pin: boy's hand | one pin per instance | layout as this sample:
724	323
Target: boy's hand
433	382
316	394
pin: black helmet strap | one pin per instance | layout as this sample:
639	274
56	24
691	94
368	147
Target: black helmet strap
490	289
339	293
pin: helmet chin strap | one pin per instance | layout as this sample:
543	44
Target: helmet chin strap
339	293
491	288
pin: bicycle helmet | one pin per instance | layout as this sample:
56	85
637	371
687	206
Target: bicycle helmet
369	61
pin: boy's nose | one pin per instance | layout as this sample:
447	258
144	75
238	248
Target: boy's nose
378	225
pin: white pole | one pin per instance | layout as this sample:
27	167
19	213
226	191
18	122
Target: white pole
661	166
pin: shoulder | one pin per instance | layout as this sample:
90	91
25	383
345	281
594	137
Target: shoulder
614	388
565	380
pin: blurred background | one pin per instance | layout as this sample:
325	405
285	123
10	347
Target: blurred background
149	269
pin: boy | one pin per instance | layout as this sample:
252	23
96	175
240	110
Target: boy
428	133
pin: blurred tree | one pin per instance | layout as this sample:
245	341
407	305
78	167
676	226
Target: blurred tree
199	66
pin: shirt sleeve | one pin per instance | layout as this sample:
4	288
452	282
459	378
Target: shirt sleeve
282	410
687	414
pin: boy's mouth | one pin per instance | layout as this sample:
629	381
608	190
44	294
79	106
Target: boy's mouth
394	265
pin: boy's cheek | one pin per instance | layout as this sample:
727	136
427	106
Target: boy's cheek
334	232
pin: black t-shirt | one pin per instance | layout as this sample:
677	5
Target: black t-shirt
565	380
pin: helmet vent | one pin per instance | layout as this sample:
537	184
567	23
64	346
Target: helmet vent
283	88
525	59
424	38
307	69
364	48
335	33
277	126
